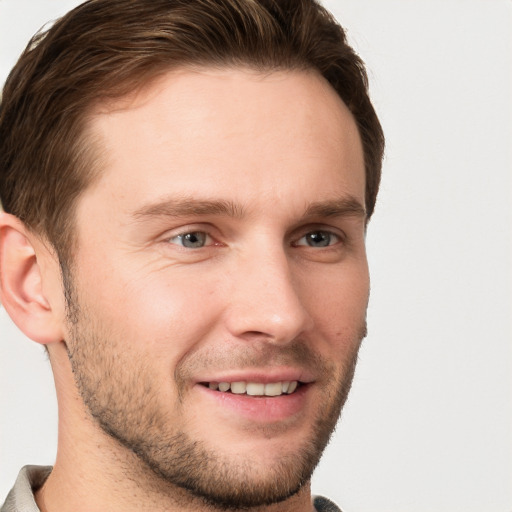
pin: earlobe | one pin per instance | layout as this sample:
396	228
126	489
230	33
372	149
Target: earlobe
21	283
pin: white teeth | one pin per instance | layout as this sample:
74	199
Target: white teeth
224	386
273	389
293	387
256	388
238	388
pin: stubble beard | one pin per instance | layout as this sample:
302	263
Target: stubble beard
125	404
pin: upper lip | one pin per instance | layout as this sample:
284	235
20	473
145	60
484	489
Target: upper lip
263	376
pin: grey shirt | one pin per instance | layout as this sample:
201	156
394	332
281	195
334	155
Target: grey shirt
21	497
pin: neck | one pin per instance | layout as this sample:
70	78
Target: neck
78	490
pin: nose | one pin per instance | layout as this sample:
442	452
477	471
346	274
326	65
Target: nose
266	299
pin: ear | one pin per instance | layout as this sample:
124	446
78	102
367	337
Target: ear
21	282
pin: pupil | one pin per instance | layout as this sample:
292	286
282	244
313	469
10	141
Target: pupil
193	240
319	239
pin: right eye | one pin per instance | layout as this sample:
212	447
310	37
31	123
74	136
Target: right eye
192	240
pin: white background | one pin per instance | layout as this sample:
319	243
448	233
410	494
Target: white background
428	426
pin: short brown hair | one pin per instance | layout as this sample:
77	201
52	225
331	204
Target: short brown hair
107	48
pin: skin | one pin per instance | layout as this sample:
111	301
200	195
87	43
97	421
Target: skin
267	172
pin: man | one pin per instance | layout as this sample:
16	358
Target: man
186	187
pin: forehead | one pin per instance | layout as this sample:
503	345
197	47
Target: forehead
211	131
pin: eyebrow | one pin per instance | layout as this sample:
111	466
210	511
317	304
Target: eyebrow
189	206
186	206
344	207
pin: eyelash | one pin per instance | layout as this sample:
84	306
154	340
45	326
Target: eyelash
204	236
323	232
181	236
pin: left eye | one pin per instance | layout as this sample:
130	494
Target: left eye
318	239
192	240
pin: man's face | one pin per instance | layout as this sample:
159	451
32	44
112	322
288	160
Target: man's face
220	288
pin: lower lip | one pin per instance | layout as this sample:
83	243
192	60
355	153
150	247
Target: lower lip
258	408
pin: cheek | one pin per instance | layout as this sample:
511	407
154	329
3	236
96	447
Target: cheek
338	300
162	313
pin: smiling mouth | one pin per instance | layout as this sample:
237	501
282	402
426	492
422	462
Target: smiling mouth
255	388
